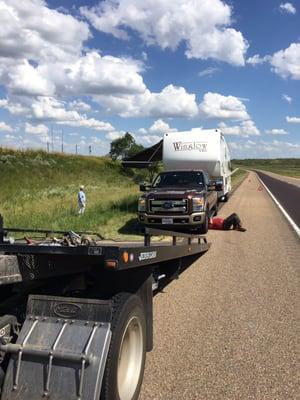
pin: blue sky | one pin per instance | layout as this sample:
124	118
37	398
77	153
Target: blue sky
94	70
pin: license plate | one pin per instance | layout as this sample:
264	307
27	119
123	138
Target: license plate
167	221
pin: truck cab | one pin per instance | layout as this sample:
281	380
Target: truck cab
179	199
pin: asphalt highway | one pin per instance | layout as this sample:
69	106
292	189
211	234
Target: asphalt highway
288	194
227	328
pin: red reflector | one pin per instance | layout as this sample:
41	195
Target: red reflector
111	264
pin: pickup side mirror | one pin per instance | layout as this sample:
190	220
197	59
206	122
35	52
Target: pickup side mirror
144	187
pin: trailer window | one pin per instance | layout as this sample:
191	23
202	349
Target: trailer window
178	179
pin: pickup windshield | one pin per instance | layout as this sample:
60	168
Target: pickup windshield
189	179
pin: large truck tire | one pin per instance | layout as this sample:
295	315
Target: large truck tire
203	228
125	363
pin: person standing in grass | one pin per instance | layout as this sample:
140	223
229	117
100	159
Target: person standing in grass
81	200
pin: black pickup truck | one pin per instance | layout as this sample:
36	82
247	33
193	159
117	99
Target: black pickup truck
181	200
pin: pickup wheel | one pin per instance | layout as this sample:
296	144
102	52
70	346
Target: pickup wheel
203	228
215	210
127	353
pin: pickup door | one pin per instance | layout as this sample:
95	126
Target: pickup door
212	195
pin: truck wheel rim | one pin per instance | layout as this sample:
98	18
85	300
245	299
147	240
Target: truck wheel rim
130	359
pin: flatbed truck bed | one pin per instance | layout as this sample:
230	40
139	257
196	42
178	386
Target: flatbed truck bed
76	316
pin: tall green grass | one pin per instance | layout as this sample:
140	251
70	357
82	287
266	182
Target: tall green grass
237	177
281	166
39	190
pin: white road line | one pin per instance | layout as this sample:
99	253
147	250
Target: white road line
234	171
291	221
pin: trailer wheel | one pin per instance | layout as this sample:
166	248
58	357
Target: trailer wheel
126	358
203	228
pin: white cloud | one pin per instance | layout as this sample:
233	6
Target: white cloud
286	63
42	53
148	140
293	120
29	29
114	135
13	108
276	132
90	123
257	59
287	98
204	28
39	129
144	56
245	128
10	137
160	126
215	105
24	79
47	108
90	74
172	101
4	127
208	71
287	8
264	149
79	105
93	74
96	141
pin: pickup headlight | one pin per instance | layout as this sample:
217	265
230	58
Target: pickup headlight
198	204
142	204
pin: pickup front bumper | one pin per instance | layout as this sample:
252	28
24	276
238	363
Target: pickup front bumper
194	219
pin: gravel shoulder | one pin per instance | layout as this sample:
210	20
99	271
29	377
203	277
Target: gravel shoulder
227	328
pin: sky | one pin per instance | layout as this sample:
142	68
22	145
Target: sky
85	72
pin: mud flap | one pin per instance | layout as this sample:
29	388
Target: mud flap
61	350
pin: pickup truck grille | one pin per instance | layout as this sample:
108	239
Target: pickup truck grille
167	206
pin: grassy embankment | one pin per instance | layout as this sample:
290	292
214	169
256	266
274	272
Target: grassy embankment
238	177
39	190
281	166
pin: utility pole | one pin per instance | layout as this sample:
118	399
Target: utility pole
48	147
52	147
62	140
76	148
90	150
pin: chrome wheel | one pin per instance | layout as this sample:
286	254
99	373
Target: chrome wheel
130	359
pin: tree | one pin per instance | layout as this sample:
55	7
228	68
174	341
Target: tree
124	147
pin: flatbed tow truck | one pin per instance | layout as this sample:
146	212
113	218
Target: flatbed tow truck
76	316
